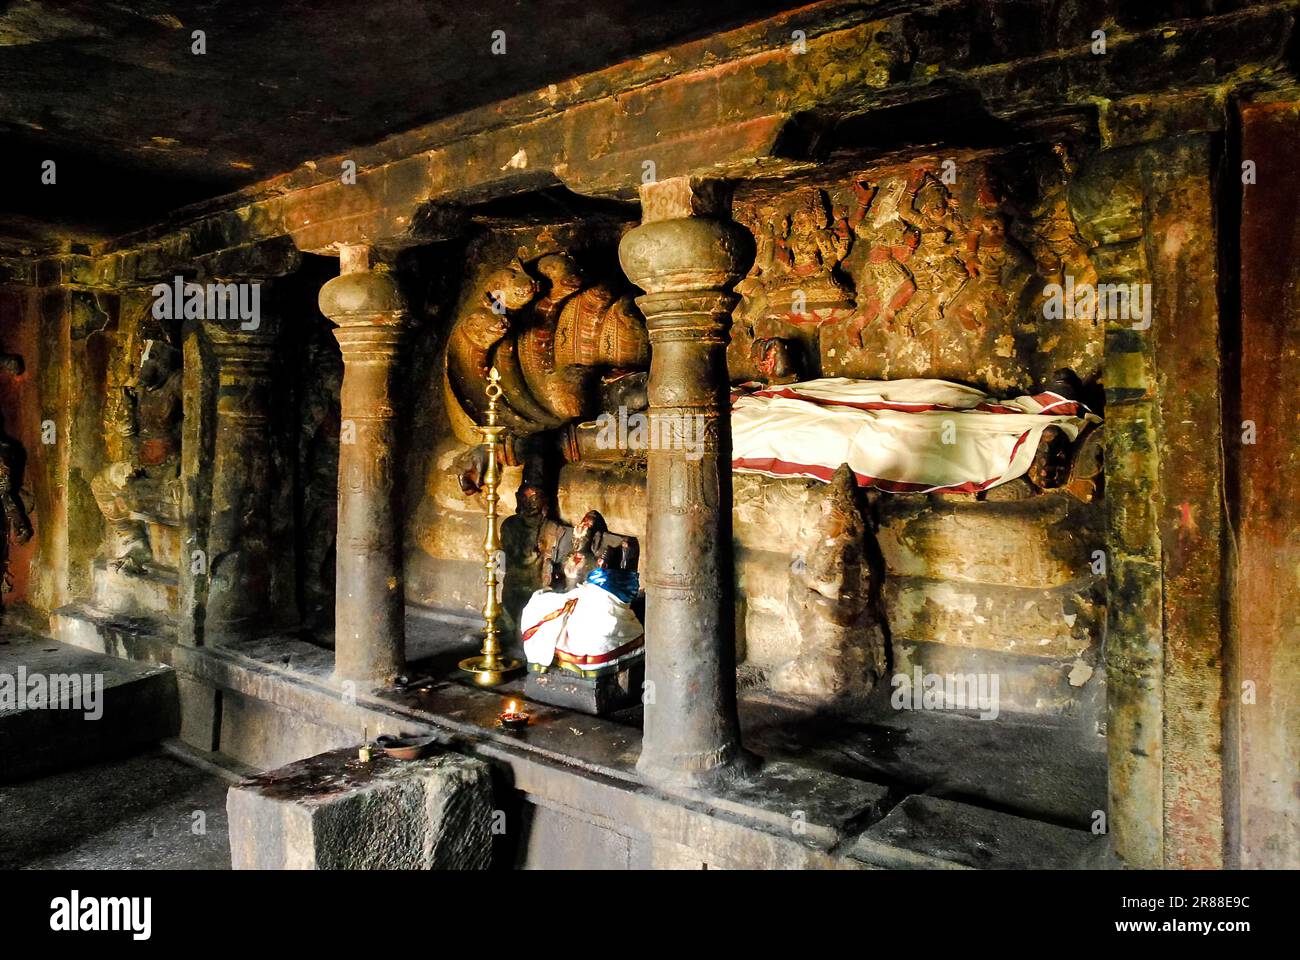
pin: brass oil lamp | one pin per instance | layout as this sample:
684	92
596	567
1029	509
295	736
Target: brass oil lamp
490	668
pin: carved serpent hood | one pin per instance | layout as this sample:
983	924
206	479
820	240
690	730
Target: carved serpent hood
550	334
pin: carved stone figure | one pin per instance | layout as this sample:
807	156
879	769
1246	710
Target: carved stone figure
798	252
775	360
839	645
935	267
530	539
551	336
884	284
144	484
17	525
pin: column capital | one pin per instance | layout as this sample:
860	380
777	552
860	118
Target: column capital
364	298
686	254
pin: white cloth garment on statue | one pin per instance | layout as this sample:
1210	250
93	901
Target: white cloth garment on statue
587	628
899	436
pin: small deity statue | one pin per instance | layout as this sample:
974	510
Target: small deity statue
144	484
592	627
588	540
529	539
808	249
839	649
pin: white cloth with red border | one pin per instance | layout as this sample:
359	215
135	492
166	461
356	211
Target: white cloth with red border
899	436
586	628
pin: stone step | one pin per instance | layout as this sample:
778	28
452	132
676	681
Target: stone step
132	637
62	706
1065	687
936	834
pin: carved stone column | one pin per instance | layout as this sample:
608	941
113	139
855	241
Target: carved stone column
369	610
686	261
239	596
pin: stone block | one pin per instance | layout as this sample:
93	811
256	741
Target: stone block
560	838
596	695
200	714
266	735
1060	622
934	833
334	812
1033	543
63	707
1038	685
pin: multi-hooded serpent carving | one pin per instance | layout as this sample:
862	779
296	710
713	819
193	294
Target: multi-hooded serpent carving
556	339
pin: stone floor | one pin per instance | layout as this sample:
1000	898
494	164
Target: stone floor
1038	767
136	813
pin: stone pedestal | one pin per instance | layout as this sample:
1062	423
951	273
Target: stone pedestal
370	639
598	694
334	812
686	261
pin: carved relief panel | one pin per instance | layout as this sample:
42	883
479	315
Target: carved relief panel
931	269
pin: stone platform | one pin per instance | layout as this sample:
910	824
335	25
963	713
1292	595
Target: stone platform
571	796
598	695
136	705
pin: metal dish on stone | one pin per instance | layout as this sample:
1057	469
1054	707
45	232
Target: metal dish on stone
403	748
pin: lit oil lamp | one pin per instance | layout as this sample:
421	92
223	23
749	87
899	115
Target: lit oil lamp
513	717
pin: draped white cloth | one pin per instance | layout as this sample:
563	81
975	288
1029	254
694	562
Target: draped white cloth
896	435
587	627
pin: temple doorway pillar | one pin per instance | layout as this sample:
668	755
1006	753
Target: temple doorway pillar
685	256
369	606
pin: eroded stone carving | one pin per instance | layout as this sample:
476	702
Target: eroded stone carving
919	271
142	421
839	646
551	334
13	461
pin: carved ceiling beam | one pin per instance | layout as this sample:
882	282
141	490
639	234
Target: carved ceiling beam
760	100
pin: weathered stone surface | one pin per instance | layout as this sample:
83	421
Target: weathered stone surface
1187	334
1026	684
1266	664
106	707
933	833
332	812
1059	622
1042	542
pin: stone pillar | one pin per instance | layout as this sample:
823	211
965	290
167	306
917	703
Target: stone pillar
369	605
239	597
686	261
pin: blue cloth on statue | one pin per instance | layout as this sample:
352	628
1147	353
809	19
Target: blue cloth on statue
623	584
